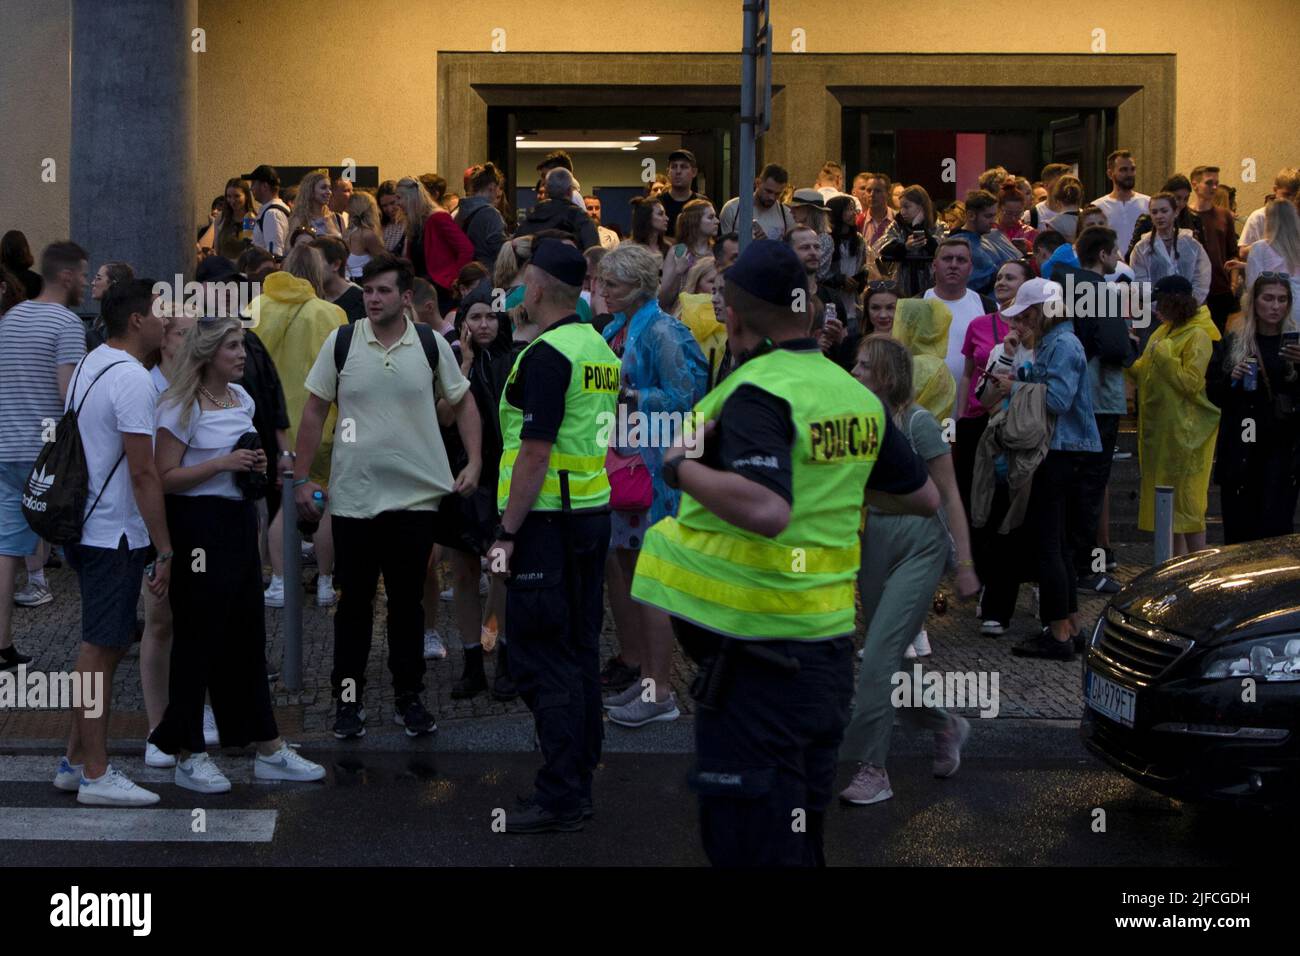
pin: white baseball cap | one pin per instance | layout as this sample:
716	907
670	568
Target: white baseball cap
1034	292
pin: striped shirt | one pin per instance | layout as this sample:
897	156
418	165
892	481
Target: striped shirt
35	339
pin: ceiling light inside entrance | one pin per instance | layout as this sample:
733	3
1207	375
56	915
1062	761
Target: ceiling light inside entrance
550	144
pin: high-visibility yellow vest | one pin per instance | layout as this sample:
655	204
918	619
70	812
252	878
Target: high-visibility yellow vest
589	411
798	585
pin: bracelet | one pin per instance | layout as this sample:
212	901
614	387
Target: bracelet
287	454
165	556
299	482
965	564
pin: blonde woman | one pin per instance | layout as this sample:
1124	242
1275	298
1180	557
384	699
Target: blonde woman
697	225
363	237
437	248
218	624
897	580
695	309
1255	465
311	209
1279	250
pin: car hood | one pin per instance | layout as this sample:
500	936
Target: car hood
1221	594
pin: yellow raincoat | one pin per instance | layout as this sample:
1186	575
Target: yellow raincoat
1177	423
711	335
293	325
922	326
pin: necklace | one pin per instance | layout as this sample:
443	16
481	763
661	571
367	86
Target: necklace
216	401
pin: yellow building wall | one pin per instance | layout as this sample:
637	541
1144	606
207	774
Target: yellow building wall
296	82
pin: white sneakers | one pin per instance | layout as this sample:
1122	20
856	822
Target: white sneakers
153	757
286	764
113	789
198	773
68	777
211	736
434	649
920	647
326	596
273	596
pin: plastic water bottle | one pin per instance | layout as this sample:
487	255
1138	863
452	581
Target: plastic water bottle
308	528
246	230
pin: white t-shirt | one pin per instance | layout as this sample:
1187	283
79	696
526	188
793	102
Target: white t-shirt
1045	214
964	311
775	220
210	434
1253	231
1123	216
122	402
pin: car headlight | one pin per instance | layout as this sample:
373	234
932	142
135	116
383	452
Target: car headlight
1270	659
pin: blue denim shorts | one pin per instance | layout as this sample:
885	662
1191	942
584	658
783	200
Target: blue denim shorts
110	590
17	539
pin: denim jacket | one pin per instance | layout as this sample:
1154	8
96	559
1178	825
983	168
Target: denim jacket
1060	364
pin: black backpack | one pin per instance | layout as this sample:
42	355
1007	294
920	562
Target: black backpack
343	343
54	499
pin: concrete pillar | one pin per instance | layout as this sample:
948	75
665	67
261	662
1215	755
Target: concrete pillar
134	81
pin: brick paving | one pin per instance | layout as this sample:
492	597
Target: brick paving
1027	688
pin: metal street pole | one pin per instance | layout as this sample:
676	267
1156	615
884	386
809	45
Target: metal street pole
748	121
292	620
1164	523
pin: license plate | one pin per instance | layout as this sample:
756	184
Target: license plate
1110	699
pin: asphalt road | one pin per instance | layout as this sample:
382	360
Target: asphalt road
1023	799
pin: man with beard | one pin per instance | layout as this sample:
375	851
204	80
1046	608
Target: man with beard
1122	205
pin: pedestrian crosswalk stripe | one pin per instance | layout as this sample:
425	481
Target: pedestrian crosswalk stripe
105	825
28	769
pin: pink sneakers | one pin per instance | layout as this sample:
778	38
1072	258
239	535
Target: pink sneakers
870	785
947	746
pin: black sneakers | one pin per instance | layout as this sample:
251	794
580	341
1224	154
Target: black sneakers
349	721
410	713
1045	646
1100	583
10	658
529	817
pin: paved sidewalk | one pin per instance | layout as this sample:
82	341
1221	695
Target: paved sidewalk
1027	688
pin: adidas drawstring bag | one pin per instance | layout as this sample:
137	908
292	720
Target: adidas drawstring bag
54	498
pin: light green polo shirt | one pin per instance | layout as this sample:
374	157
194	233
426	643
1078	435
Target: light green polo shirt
388	452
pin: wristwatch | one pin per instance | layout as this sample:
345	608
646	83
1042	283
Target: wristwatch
501	534
668	471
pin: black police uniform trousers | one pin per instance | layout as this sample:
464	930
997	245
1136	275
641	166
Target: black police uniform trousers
554	608
766	755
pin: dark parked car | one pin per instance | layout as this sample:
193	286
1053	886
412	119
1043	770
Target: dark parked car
1192	676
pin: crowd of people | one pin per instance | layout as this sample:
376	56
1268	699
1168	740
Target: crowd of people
398	333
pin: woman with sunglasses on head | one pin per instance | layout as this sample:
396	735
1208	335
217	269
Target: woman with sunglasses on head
1279	250
1252	378
879	302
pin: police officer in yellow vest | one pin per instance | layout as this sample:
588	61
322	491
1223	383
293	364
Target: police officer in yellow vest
758	567
553	494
